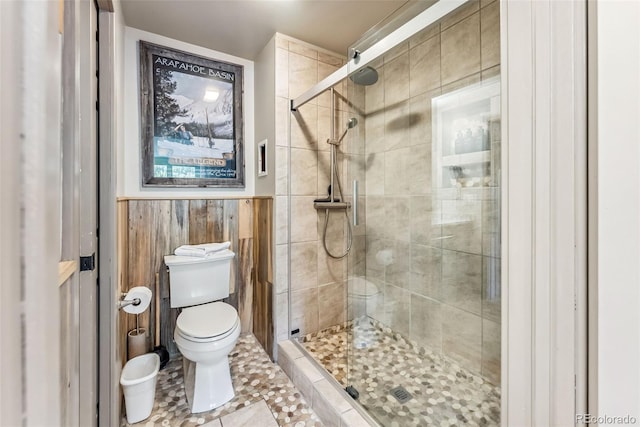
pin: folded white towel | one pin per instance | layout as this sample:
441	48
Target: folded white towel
202	250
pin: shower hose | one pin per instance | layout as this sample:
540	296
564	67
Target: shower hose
326	224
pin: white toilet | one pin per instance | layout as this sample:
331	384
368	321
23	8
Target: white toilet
365	302
206	330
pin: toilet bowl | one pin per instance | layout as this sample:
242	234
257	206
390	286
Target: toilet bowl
206	329
364	301
205	335
364	297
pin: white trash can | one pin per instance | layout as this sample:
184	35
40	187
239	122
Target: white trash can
138	381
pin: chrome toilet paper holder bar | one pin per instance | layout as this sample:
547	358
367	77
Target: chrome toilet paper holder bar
126	302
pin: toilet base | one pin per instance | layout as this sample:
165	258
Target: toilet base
207	386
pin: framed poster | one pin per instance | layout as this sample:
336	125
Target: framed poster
191	120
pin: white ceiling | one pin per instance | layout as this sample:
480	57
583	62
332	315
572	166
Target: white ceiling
243	27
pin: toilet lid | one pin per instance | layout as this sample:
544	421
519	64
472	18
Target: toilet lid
207	320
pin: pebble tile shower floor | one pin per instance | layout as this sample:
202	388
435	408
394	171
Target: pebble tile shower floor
255	377
442	393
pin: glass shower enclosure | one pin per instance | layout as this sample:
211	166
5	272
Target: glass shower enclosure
412	325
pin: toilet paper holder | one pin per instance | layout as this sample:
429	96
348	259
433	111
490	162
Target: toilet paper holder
125	302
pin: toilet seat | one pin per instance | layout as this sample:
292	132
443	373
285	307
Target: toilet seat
207	322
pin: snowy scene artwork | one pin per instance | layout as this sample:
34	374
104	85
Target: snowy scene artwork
191	119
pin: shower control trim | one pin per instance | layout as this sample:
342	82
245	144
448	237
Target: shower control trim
331	205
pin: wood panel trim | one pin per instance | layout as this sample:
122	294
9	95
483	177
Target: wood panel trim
203	197
65	270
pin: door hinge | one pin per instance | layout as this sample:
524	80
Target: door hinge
88	263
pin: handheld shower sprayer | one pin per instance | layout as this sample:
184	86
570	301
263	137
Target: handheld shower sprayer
351	123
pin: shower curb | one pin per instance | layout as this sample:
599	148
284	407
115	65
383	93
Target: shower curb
332	404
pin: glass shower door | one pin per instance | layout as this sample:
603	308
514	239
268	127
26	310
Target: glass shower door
423	275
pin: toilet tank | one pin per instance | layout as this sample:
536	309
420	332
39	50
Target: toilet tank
194	280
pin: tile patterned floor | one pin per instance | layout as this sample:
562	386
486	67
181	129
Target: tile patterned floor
443	393
255	377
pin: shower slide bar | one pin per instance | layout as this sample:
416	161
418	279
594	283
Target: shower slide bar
413	26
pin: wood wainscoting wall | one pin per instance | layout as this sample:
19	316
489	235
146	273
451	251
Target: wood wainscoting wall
150	229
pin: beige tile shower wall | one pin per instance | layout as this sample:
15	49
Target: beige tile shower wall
317	281
433	254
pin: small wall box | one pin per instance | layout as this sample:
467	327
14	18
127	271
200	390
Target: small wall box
262	158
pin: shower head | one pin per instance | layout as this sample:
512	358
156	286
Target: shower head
351	123
365	76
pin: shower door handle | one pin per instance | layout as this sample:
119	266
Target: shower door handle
354	202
